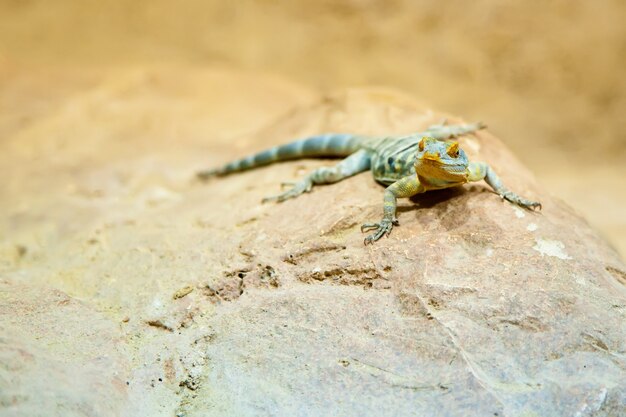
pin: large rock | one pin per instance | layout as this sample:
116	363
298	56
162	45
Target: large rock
472	307
227	306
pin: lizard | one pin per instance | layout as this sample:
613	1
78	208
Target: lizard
407	165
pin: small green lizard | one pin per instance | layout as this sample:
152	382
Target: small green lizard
408	165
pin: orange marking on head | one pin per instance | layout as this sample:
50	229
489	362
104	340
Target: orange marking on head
421	145
453	150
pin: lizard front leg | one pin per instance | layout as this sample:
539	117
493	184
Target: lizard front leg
480	170
406	187
355	163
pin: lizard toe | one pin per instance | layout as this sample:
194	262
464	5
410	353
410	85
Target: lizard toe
367	226
298	188
381	229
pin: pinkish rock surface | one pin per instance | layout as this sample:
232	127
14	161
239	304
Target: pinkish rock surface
198	300
58	356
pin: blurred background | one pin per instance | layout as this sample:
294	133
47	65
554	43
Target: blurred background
547	77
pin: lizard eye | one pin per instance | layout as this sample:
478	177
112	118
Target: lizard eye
421	145
453	150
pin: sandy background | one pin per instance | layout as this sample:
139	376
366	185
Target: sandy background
547	78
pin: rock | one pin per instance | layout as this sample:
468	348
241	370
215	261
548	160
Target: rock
471	307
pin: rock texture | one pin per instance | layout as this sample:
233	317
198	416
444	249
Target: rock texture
58	356
198	300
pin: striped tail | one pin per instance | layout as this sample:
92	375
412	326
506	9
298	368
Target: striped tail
330	144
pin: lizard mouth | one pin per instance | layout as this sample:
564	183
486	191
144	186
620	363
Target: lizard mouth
433	163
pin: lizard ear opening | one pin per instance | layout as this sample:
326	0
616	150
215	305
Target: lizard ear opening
453	150
421	145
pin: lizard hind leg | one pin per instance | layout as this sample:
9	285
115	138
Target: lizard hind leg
355	163
445	131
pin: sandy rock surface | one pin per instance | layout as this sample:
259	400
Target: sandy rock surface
128	288
58	356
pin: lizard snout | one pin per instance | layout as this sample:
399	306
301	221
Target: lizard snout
432	156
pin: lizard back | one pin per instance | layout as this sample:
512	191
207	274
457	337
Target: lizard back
393	158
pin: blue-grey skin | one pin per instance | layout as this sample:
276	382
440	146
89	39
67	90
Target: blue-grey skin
408	165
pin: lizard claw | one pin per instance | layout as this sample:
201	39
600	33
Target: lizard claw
380	229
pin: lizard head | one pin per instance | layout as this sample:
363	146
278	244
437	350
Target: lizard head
442	160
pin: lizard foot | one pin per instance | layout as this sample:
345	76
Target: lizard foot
520	201
382	228
302	186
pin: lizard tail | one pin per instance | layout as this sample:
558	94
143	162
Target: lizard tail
331	144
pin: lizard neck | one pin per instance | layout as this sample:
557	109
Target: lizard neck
431	183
